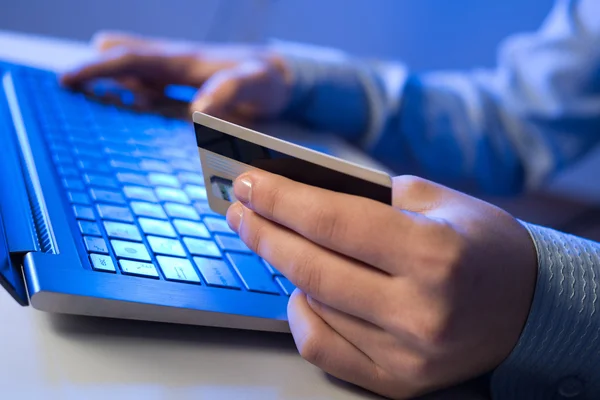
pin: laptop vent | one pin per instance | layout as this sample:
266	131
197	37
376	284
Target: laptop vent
37	213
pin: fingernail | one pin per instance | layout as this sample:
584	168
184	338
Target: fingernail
242	189
234	216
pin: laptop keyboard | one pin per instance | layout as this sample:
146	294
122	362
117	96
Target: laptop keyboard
135	187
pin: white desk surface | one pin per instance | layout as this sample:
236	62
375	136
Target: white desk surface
46	356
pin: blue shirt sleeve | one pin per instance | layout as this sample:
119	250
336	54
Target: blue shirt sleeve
558	353
495	131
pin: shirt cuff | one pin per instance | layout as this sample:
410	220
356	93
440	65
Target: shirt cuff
557	355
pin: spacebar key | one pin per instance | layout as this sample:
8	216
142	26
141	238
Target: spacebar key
252	273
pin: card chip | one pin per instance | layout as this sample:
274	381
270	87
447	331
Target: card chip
222	188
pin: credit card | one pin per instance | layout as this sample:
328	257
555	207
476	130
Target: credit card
228	150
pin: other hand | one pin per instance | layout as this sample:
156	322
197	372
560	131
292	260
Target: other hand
234	82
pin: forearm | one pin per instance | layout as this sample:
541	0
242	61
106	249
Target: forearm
559	350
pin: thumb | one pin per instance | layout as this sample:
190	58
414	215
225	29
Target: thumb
245	91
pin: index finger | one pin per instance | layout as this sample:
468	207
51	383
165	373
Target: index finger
114	66
164	69
363	229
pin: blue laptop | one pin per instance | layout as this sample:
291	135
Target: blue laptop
103	212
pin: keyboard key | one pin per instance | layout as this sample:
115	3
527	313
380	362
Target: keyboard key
62	159
107	196
93	166
55	136
190	177
148	152
77	139
138	268
231	243
94	244
101	181
181	211
136	251
79	198
177	269
116	213
134	179
204	209
82	212
174	152
216	273
140	193
86	152
218	225
195	192
73	184
119	149
186	165
189	228
89	228
59	148
148	210
102	263
271	268
175	195
199	247
155	166
114	138
163	180
287	286
67	171
252	273
158	228
117	230
168	247
131	165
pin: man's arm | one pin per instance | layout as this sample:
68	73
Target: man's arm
498	131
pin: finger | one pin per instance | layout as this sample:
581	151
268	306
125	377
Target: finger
153	67
366	230
364	335
338	281
375	342
117	65
320	345
389	352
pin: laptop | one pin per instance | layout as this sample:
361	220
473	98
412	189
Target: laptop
103	212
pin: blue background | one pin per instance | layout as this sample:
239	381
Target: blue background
425	33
